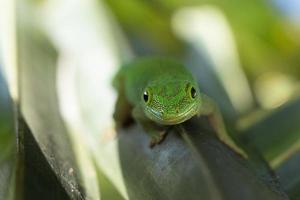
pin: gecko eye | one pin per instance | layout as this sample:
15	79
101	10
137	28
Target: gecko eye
193	92
146	96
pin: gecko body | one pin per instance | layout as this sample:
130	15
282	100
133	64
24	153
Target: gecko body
160	92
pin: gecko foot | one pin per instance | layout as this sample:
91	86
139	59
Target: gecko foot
157	138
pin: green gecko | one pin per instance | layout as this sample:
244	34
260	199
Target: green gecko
160	92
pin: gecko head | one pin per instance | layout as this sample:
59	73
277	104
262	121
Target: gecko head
171	102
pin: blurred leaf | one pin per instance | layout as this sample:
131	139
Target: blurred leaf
107	189
7	143
289	175
264	38
277	132
148	28
47	144
6	116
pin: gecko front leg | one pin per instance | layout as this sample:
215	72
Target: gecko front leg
210	109
156	132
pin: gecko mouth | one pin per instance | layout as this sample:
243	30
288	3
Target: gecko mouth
172	119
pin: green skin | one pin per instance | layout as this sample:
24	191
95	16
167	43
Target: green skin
159	92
